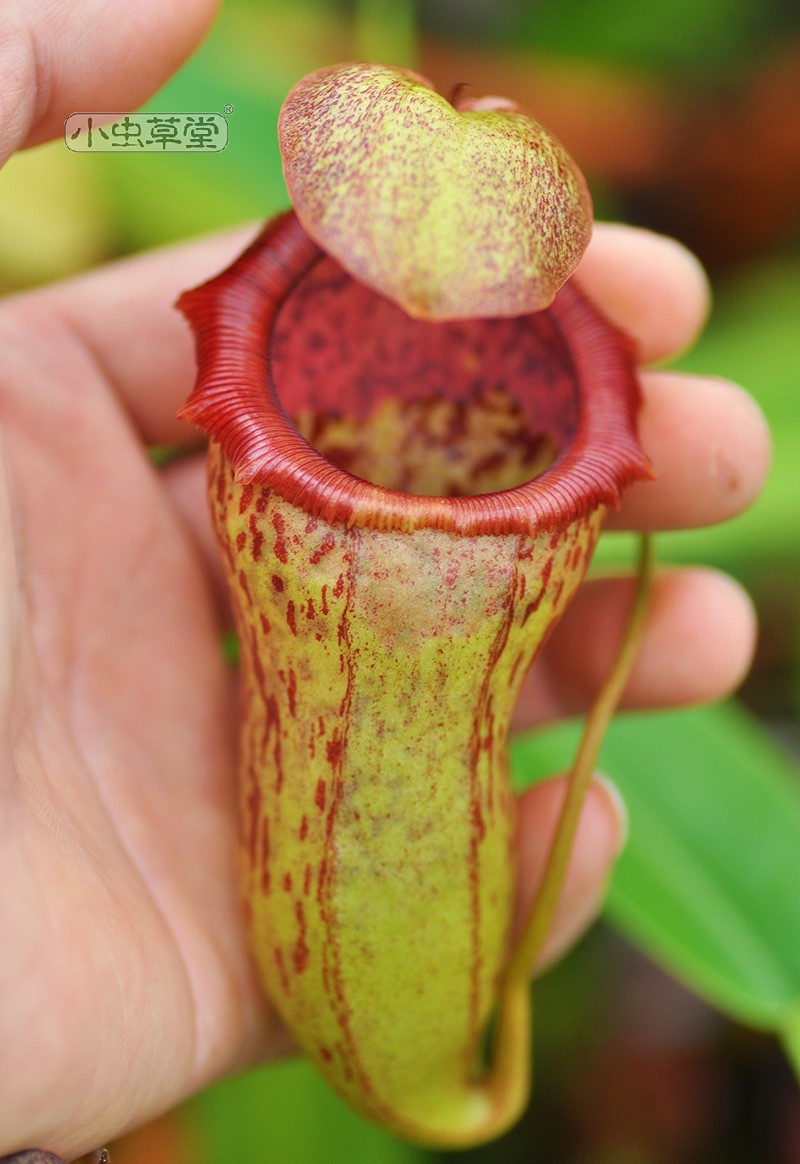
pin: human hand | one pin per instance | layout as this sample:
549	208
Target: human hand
125	980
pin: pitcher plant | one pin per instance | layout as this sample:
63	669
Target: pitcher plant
416	425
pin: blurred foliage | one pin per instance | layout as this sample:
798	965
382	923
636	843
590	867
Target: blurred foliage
679	35
55	218
288	1115
683	115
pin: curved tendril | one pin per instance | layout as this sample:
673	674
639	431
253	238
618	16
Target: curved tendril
508	1077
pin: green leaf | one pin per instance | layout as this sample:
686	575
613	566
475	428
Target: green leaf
287	1113
708	882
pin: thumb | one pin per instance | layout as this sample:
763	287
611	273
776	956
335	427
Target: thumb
57	59
598	841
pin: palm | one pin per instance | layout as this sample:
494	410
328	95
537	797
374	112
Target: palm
121	778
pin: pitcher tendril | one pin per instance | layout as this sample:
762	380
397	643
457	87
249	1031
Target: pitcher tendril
508	1074
538	925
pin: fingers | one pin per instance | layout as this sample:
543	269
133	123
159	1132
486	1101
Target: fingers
125	312
705	613
697	646
56	59
710	447
706	438
649	285
600	836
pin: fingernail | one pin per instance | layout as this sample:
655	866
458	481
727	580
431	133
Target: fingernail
618	807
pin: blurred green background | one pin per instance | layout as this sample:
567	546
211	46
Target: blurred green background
686	118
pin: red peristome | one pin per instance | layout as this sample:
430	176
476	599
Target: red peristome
285	319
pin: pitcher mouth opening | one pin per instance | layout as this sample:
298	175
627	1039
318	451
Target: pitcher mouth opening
330	394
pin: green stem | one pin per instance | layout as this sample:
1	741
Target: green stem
386	31
507	1081
540	918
